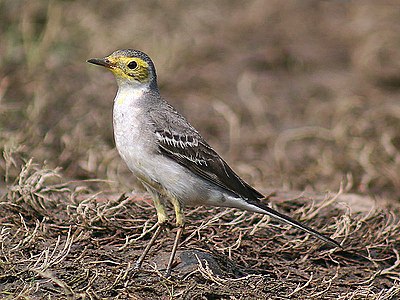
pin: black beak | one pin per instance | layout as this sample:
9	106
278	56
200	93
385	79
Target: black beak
104	62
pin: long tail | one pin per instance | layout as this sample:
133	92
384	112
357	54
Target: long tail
281	217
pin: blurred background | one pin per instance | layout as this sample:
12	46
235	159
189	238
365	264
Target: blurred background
293	94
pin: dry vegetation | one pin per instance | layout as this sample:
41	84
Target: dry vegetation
299	95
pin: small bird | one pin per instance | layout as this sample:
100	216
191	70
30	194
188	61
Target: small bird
169	156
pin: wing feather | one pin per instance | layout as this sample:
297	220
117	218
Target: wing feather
195	154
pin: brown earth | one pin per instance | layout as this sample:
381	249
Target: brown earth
61	241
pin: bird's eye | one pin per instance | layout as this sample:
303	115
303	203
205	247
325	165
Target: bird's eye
132	65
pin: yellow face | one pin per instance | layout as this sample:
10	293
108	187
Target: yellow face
129	69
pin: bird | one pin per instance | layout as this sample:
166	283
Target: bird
169	156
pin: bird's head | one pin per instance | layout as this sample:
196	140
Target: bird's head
131	67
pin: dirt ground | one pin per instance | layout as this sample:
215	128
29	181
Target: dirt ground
300	97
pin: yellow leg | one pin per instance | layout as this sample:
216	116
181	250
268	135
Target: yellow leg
162	219
161	214
180	217
180	222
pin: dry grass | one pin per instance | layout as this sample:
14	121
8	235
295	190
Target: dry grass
295	95
59	239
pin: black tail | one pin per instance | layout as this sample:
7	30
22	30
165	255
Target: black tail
281	217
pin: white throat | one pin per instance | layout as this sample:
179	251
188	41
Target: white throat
127	94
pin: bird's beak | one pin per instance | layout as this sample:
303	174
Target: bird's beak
104	62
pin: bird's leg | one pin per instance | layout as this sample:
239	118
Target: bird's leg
162	219
180	223
147	249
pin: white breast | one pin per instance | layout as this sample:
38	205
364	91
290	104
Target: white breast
131	131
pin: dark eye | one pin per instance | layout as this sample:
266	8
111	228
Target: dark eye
132	65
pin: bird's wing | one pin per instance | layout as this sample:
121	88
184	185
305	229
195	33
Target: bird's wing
179	141
192	152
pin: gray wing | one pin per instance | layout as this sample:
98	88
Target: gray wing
196	155
178	140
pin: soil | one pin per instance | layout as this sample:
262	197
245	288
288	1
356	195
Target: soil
61	242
